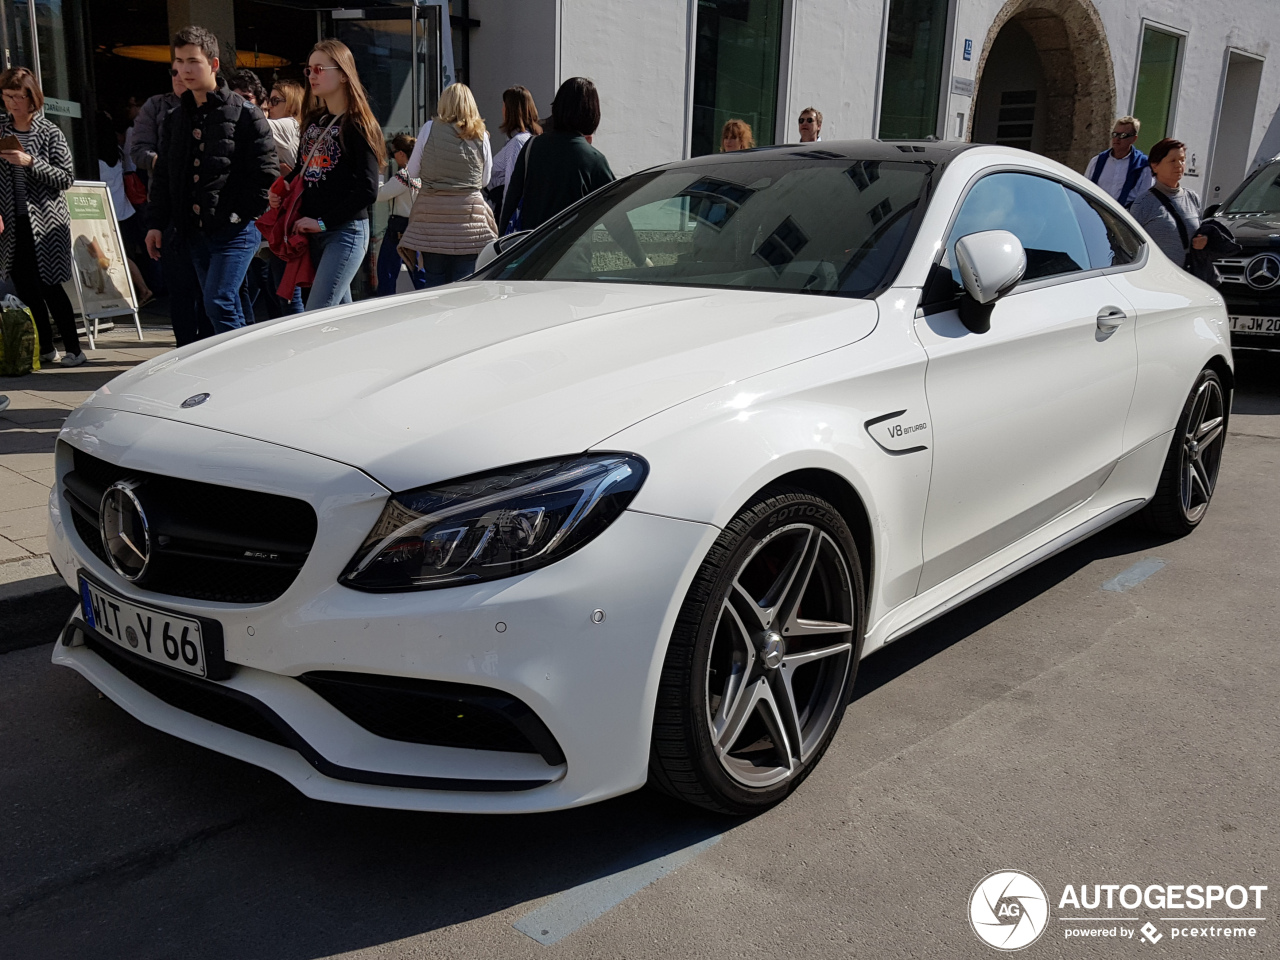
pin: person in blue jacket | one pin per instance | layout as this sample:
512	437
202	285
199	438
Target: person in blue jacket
1122	170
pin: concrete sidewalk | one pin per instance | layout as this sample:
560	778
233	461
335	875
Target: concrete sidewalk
39	402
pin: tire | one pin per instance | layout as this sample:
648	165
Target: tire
1190	471
752	692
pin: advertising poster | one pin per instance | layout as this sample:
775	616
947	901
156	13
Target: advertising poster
97	253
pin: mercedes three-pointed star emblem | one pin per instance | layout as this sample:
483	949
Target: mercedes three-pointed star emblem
125	533
1263	271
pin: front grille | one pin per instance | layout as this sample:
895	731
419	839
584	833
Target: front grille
435	712
192	695
208	542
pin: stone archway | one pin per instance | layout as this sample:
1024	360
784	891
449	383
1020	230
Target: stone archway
1078	75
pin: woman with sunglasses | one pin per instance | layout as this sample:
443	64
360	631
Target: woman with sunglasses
284	114
341	153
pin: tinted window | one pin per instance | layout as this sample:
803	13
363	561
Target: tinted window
1108	240
1259	195
824	225
1034	209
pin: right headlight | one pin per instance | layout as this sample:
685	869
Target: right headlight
494	524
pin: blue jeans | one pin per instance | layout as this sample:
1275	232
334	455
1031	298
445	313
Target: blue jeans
337	255
221	260
389	260
447	267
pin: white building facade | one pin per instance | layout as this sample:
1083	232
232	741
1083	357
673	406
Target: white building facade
1048	75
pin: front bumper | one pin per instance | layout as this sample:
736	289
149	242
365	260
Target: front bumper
533	637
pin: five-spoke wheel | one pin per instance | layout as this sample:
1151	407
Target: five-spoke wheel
762	659
1195	455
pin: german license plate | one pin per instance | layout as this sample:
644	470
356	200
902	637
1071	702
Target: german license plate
146	631
1255	324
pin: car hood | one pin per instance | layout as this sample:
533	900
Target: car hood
465	378
1261	229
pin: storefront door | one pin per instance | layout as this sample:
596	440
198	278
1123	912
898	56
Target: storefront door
47	37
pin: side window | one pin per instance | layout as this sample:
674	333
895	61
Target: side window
1034	209
1108	239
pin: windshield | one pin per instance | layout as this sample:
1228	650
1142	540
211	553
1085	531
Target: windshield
796	224
1259	195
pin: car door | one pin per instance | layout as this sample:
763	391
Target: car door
1028	418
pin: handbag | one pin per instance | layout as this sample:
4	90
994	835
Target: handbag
283	217
276	225
19	339
135	191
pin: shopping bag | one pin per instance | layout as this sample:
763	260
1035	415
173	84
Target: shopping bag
19	342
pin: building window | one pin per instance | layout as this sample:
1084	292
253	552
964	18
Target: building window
913	56
735	73
1156	89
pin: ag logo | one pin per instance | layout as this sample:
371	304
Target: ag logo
1009	910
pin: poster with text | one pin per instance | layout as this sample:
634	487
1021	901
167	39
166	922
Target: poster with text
97	253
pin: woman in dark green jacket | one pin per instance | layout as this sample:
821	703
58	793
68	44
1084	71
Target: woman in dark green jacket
558	168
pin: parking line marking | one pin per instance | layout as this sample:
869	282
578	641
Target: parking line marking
1134	575
576	907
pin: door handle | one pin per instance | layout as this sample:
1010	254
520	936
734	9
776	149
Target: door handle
1110	318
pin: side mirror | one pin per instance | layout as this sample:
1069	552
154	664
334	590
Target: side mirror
495	247
991	264
1211	210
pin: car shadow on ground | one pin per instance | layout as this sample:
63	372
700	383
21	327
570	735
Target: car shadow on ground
888	663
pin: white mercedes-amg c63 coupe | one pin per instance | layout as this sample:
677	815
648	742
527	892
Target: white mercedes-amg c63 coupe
630	504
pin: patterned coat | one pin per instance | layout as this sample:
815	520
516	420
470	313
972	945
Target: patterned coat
47	179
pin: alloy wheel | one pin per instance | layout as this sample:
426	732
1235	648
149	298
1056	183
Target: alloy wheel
1202	445
779	658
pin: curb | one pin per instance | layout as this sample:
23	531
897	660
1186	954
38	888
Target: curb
34	619
34	603
30	575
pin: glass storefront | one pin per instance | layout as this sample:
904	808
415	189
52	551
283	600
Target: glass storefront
49	37
735	76
913	56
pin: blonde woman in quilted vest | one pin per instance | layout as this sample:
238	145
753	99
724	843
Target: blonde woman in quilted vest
450	223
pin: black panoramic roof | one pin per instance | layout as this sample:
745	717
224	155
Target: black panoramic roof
933	151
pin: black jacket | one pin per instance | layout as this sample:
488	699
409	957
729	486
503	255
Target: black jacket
1222	243
554	171
214	166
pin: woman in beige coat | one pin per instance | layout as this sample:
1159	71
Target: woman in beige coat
450	223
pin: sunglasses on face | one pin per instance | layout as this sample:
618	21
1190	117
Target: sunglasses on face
1123	136
318	70
276	101
808	119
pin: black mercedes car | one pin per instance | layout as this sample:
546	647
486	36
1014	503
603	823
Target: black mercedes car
1251	280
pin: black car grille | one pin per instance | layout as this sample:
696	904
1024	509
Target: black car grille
208	542
435	712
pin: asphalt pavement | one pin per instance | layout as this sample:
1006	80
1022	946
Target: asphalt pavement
1082	735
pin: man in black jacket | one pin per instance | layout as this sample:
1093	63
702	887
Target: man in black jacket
215	165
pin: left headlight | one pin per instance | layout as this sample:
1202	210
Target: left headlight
495	524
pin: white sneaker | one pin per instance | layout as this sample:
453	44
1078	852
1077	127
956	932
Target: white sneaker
4	403
51	357
73	359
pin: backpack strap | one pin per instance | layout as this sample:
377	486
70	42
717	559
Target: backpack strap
1177	217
